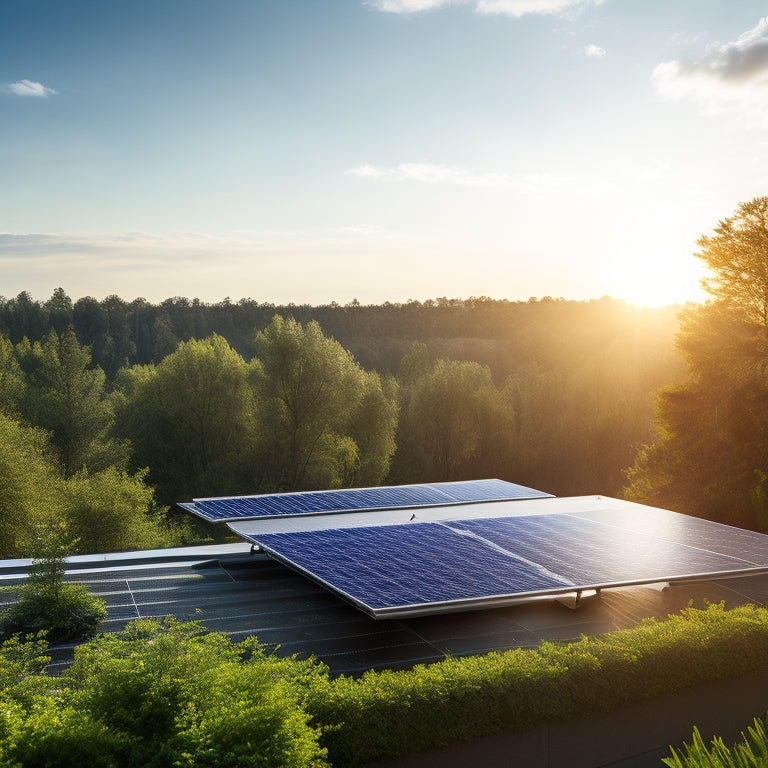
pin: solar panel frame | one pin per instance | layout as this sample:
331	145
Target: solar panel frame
238	508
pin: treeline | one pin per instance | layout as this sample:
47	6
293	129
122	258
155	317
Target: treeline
552	333
552	394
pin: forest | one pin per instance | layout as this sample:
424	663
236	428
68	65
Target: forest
112	412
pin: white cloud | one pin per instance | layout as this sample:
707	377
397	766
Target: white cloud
408	6
733	74
31	88
513	8
530	185
594	51
431	173
517	8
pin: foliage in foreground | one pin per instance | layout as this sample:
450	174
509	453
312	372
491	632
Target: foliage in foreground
751	752
384	715
173	695
159	695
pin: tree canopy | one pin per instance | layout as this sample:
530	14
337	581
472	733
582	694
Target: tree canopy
191	420
710	458
67	396
138	404
737	257
455	425
326	423
29	485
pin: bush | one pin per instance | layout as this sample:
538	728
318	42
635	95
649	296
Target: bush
385	715
158	695
72	614
62	611
171	694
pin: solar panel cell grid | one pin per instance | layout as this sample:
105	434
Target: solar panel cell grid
314	502
587	553
463	554
408	564
695	532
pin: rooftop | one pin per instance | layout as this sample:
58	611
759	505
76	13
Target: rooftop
233	591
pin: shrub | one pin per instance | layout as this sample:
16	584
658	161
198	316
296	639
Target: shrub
73	614
385	715
174	695
62	611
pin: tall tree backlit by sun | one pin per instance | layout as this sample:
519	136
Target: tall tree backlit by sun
711	456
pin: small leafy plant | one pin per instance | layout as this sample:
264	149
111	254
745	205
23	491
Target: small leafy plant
751	752
63	612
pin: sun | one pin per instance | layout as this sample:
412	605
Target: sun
656	281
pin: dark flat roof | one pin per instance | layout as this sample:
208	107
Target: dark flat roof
235	592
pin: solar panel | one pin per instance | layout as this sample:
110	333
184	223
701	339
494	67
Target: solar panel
383	568
457	564
357	499
695	531
590	554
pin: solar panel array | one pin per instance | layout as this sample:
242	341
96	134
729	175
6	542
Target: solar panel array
478	544
428	567
358	499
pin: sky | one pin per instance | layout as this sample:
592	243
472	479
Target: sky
311	151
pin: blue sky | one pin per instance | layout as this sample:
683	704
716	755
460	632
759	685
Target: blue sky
316	151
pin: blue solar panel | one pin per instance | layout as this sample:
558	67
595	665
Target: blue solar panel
425	567
589	553
695	532
354	499
404	565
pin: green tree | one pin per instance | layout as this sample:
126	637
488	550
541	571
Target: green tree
67	397
112	511
711	455
11	379
417	362
30	486
25	317
456	425
191	421
316	431
737	257
59	308
372	426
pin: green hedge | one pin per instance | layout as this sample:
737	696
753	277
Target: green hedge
173	694
385	715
